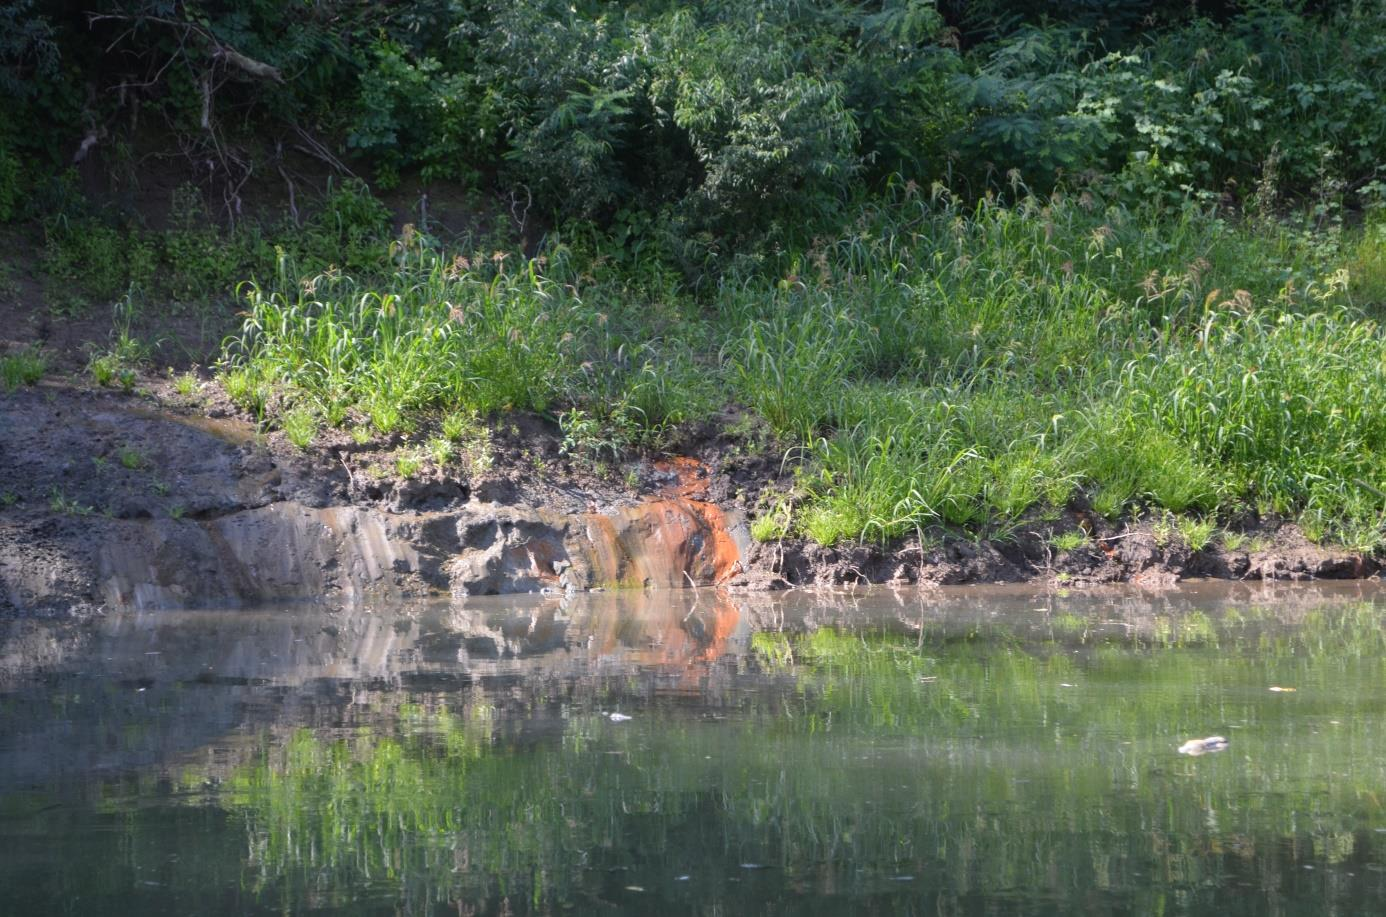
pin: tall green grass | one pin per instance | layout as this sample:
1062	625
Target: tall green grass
939	365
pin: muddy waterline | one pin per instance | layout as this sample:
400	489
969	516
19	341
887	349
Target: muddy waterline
978	751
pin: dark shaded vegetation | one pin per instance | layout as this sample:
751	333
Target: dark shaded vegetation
966	264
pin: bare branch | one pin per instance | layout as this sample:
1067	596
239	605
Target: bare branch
90	140
251	66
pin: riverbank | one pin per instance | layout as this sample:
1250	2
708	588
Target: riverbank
164	497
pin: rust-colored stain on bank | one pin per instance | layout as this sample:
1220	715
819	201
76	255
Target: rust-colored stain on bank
667	541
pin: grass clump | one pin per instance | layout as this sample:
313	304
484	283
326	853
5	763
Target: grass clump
408	464
130	458
773	524
442	335
1196	533
120	363
1234	541
187	384
23	367
300	425
1063	542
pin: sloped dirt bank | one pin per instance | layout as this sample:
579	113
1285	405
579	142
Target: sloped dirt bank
114	500
1136	553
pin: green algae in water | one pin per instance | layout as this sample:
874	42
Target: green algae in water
994	753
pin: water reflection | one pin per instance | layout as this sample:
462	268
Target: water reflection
976	752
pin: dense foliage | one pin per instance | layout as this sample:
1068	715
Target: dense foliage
722	118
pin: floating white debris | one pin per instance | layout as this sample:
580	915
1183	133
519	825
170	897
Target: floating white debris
1203	746
1064	684
1279	690
617	717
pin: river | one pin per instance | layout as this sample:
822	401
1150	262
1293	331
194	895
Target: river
973	751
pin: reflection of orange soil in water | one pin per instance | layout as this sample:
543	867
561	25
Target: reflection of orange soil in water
724	617
666	634
667	541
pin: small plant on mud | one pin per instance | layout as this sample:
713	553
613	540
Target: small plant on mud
1233	541
828	525
1163	529
247	389
360	434
773	524
159	488
593	440
1109	502
458	426
177	511
1196	533
478	454
24	367
107	370
385	417
186	384
440	450
130	458
300	425
8	498
1063	542
59	502
407	464
469	433
121	362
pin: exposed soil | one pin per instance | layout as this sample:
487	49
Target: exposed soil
151	499
1135	552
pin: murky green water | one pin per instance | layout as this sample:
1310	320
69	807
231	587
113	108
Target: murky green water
972	753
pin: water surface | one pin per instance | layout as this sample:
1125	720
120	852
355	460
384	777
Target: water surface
969	752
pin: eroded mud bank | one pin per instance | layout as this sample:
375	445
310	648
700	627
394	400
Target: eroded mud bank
115	501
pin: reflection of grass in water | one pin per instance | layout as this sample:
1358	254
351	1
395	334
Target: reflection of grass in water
962	755
1190	629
